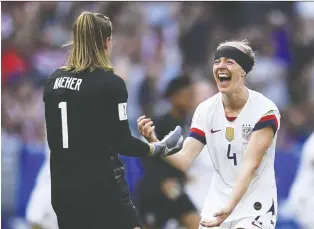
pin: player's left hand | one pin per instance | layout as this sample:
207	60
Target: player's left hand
170	144
220	217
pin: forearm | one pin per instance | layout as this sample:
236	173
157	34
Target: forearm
260	141
125	144
186	156
134	147
179	161
242	183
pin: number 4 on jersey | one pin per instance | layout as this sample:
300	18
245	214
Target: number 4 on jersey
234	156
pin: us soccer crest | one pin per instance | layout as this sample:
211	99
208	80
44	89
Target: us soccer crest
246	132
229	134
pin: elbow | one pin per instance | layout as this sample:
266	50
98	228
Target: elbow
178	162
185	161
184	167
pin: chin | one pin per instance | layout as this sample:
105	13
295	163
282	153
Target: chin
224	90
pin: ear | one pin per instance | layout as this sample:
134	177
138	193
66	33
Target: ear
107	42
243	74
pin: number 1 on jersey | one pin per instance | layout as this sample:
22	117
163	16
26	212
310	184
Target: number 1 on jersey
234	156
64	123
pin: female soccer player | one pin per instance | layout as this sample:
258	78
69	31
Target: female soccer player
87	127
239	127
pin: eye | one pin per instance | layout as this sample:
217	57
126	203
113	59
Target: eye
216	62
229	62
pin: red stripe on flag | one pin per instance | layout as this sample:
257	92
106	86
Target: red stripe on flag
197	131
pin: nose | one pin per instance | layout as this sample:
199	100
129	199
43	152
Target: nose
221	64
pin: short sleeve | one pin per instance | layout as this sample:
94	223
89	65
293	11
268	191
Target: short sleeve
271	118
119	90
198	123
119	98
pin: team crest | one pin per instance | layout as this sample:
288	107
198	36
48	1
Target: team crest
246	132
229	134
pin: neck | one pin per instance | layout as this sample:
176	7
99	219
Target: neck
235	101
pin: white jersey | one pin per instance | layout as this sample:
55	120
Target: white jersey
300	203
227	142
39	209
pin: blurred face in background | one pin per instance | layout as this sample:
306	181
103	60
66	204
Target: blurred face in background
183	99
24	90
203	90
228	74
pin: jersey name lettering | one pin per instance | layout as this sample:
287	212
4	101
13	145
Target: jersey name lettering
68	82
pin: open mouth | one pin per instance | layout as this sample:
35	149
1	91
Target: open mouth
223	77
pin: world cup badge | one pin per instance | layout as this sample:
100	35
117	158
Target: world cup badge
229	134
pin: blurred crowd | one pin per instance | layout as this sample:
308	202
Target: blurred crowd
153	43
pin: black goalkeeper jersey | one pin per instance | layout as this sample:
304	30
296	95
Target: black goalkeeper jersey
87	126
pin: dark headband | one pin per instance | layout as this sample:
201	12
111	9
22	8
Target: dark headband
244	60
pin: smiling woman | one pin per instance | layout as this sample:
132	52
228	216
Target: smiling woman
233	61
239	127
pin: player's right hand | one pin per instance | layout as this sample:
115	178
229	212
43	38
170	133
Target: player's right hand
146	128
170	144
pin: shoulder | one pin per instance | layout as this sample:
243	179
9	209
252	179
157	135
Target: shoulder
264	111
113	80
114	86
263	104
205	109
109	81
209	103
54	75
49	84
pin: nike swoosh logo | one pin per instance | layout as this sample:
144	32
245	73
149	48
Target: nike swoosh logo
253	223
214	131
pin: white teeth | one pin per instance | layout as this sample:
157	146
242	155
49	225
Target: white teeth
222	75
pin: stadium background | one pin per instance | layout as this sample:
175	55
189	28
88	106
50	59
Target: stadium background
151	40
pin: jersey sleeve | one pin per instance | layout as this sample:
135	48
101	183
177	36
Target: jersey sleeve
121	137
198	123
271	118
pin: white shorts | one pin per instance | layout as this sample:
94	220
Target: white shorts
266	221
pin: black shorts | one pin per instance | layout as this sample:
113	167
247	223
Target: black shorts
97	207
155	209
94	209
